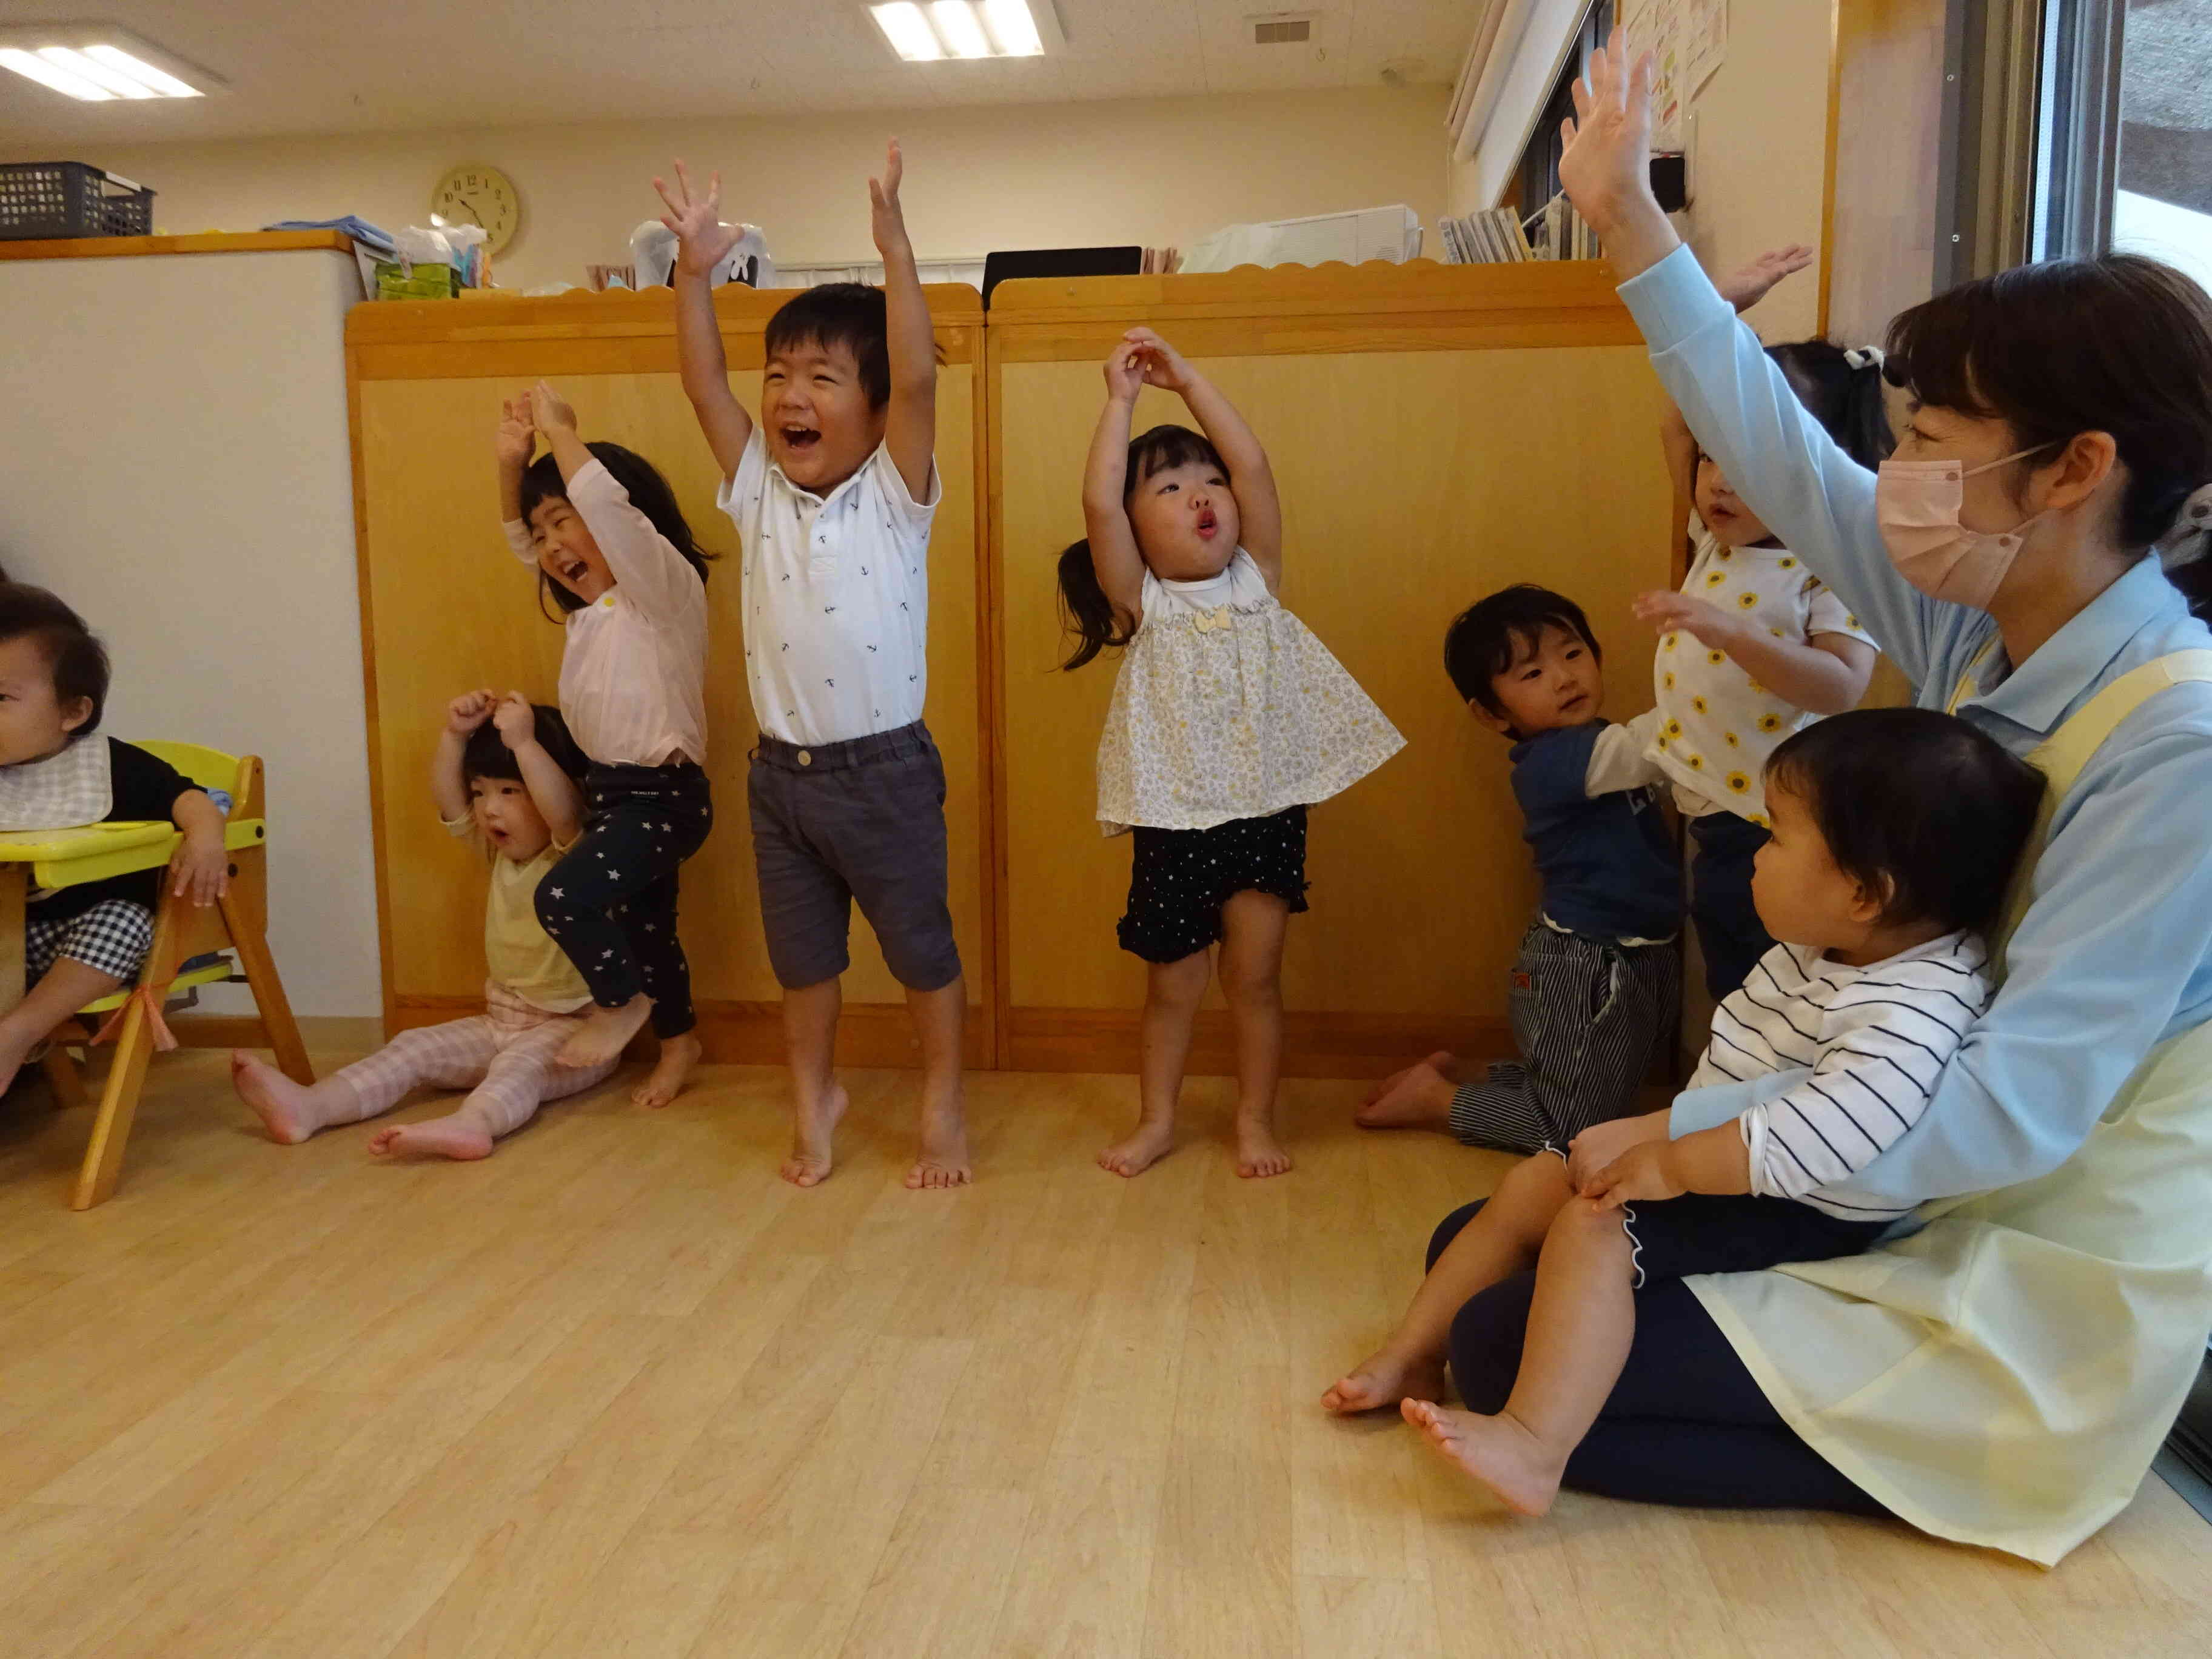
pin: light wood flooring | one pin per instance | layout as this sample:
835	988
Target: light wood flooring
619	1391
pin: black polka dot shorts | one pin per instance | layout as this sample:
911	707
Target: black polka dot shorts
1179	879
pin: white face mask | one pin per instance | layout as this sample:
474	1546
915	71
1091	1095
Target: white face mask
1916	504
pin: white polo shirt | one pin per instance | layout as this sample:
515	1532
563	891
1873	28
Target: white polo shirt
837	597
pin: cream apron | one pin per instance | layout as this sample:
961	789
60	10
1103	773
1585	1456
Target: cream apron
2005	1375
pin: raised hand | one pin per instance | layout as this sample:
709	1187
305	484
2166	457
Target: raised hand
1125	372
515	438
701	238
549	412
1163	365
886	217
1746	288
469	711
515	720
1606	168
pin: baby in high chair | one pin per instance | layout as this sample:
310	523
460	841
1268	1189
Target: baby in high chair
505	780
82	943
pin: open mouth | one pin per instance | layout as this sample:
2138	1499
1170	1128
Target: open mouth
495	835
1208	525
573	571
799	440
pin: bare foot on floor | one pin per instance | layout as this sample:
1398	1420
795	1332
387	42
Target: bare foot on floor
943	1159
678	1055
1418	1098
437	1137
1150	1143
606	1032
1259	1154
279	1103
812	1130
1496	1451
1383	1379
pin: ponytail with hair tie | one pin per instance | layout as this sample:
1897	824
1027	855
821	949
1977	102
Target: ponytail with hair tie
1860	357
2190	538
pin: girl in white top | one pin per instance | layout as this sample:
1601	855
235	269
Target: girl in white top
611	546
1228	720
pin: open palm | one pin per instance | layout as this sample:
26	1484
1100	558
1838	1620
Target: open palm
702	238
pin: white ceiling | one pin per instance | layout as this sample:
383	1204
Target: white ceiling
301	66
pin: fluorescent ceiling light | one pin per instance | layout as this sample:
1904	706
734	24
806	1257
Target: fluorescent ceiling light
1012	28
98	62
960	28
908	31
65	58
47	75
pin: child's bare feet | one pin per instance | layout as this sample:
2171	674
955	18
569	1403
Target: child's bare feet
943	1158
1259	1154
437	1136
813	1128
1418	1098
606	1032
279	1103
678	1055
1498	1451
1384	1379
1152	1141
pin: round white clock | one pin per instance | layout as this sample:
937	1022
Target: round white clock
474	194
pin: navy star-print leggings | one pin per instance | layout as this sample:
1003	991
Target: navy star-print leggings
611	903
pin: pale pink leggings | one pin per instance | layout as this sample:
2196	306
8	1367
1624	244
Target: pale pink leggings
504	1057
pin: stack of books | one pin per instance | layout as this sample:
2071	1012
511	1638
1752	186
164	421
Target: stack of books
1498	235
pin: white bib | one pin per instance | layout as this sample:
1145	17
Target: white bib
62	791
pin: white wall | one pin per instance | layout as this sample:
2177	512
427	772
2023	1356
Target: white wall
174	462
1159	172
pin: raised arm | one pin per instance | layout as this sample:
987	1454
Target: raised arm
702	240
645	567
1259	511
513	441
1740	404
910	428
552	791
448	788
1114	555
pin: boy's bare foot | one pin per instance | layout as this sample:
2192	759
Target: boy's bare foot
943	1159
812	1129
606	1032
1383	1379
279	1103
1259	1154
678	1055
1150	1143
437	1137
1496	1451
1418	1098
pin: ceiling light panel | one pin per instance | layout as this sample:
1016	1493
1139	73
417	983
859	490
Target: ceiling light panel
965	28
99	63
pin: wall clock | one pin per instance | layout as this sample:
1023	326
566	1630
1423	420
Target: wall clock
474	194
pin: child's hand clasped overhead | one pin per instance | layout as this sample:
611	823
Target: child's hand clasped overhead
549	412
515	440
469	711
516	720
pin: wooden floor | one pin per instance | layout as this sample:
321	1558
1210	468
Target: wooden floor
619	1391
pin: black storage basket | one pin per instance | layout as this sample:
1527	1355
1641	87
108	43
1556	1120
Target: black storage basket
53	200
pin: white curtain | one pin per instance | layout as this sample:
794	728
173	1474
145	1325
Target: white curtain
1519	48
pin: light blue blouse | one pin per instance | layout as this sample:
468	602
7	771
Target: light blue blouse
2115	952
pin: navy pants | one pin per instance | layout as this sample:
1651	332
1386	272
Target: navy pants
611	903
1686	1423
1730	932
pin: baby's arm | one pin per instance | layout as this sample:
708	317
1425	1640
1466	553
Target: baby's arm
1114	555
448	788
1620	758
200	867
1824	675
911	426
1250	478
702	240
552	791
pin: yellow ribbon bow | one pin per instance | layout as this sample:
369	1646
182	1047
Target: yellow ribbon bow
1208	622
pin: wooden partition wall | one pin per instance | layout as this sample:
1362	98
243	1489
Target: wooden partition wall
444	607
1437	431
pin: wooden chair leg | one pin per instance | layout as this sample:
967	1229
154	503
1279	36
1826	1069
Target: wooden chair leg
62	1077
252	948
119	1105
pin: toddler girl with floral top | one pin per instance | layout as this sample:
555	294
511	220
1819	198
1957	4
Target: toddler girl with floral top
1228	719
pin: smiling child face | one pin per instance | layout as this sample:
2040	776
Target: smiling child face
815	411
566	551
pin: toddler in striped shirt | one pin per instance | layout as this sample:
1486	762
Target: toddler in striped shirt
1896	832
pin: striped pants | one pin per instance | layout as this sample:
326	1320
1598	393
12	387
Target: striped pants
1589	1016
504	1057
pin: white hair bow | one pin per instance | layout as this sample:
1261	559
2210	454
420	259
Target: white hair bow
2191	535
1865	357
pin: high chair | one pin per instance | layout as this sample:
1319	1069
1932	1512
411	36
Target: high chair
187	939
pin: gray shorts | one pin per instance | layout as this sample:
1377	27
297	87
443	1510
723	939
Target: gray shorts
862	819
